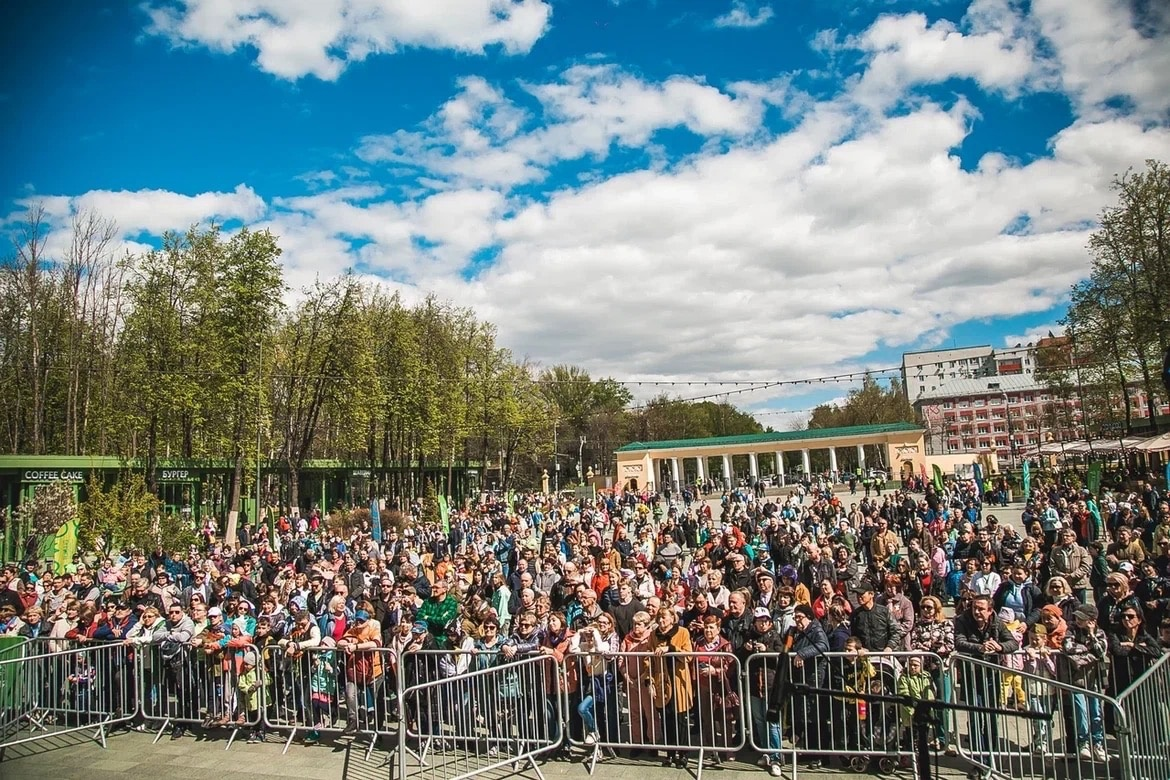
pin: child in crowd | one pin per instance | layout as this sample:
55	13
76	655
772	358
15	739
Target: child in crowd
1040	661
322	690
918	684
1012	695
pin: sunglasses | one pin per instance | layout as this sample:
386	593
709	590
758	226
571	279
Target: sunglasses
1129	616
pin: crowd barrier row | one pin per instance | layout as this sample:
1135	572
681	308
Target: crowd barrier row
457	714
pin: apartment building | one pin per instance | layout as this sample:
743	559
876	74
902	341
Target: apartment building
1008	415
928	371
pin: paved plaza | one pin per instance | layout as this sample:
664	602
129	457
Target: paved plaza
131	755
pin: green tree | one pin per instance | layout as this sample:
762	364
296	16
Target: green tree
124	515
870	404
1120	312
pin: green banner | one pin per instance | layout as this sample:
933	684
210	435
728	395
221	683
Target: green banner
444	514
1027	480
11	678
61	547
1094	479
938	478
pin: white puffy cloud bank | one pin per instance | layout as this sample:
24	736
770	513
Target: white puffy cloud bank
759	254
296	38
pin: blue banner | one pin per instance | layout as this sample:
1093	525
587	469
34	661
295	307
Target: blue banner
1168	476
979	479
1027	480
375	521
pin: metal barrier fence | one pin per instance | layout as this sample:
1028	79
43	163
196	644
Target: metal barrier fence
1084	737
466	713
454	714
212	686
824	725
1146	703
673	703
327	690
51	693
12	700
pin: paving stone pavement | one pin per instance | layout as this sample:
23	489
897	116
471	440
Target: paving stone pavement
131	755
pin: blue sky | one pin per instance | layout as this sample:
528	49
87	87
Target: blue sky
653	189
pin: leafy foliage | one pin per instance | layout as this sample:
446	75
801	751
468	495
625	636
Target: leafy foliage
1119	318
124	515
870	404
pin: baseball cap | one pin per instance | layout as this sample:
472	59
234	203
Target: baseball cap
762	612
361	615
420	627
215	612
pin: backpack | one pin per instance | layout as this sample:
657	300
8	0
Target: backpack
173	653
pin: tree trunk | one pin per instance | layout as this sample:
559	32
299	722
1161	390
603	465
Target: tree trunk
294	488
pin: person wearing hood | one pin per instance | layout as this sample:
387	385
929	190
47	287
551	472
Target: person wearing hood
1058	593
1118	598
790	579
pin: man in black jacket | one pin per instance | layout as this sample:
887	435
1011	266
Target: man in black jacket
982	636
809	645
872	624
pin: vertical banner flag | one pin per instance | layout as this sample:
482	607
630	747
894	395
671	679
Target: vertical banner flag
1094	479
60	547
938	478
444	514
1027	480
979	479
376	520
1168	475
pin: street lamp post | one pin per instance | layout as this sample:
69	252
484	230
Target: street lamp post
259	414
556	462
1007	410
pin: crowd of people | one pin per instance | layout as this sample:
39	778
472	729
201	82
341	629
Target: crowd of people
1080	594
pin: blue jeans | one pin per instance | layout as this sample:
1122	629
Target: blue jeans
1089	723
764	731
588	718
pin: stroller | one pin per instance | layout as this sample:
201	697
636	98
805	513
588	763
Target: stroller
872	730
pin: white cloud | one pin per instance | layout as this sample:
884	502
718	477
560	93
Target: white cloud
756	256
906	50
1032	335
740	15
1104	60
297	38
481	137
156	211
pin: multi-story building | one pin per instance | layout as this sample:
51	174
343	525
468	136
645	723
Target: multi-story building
926	372
1008	415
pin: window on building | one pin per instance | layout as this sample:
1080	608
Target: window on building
948	404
